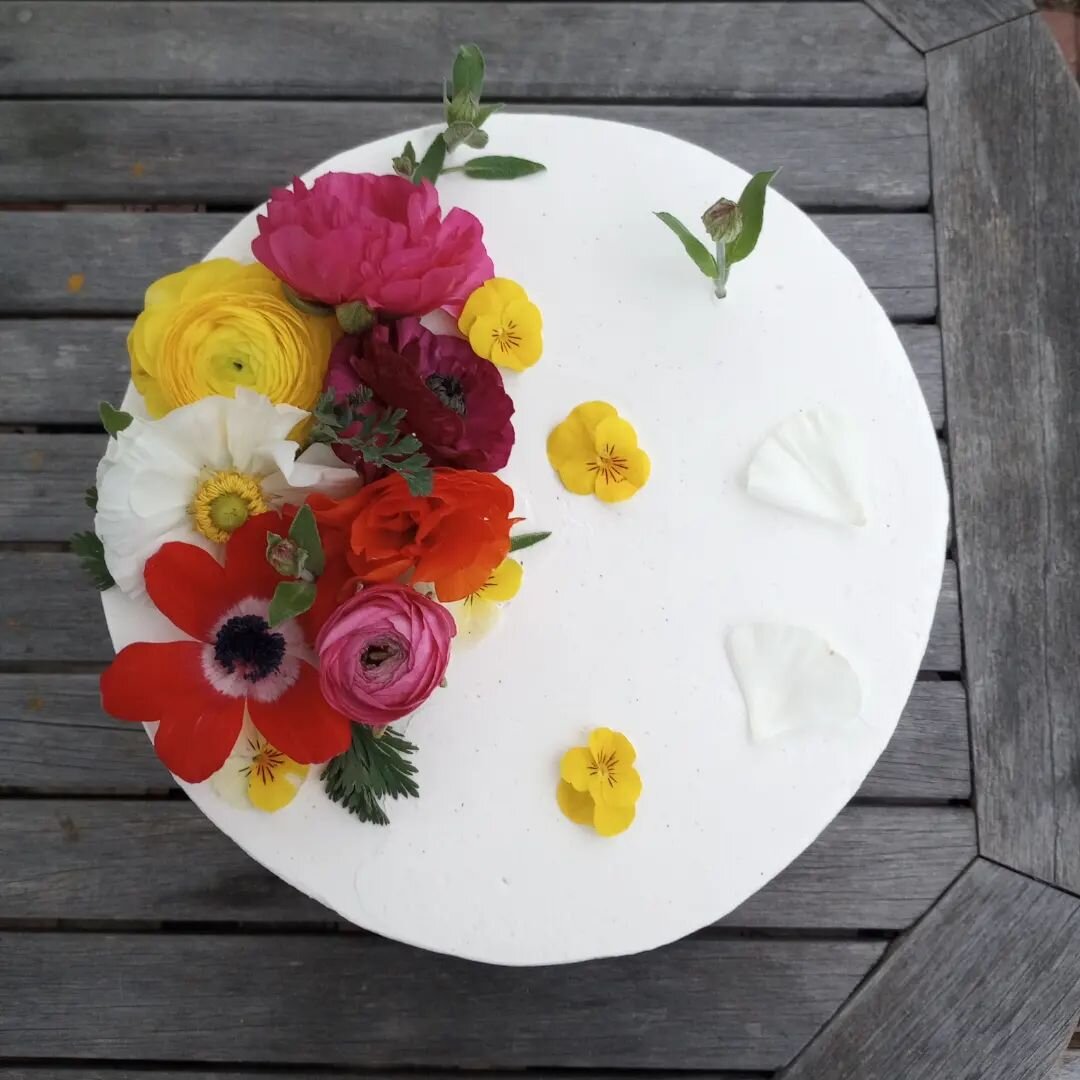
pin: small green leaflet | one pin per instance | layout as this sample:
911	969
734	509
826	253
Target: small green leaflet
526	540
90	498
703	258
308	307
291	598
432	162
91	553
752	205
496	167
468	75
372	769
113	420
304	532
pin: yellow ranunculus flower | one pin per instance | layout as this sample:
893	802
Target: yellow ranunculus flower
221	324
502	324
595	452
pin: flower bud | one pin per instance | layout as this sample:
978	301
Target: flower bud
354	317
403	166
723	221
462	108
283	555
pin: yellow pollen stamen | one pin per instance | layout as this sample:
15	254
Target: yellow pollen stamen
224	502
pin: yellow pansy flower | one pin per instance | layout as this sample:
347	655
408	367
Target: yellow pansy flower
258	774
477	613
595	452
599	785
222	324
503	325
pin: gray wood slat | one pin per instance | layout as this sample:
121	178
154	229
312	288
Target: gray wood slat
1008	154
874	867
119	254
446	1072
355	1000
218	152
56	371
700	51
52	618
987	986
1068	1068
929	24
54	739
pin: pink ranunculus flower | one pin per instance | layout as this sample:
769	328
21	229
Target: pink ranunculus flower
380	240
383	653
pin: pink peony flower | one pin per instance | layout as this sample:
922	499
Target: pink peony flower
381	240
383	652
454	401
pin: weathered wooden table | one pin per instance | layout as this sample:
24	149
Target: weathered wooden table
933	931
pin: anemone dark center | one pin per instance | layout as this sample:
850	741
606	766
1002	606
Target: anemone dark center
449	391
246	645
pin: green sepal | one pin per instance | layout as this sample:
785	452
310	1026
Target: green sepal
752	207
526	540
113	420
91	552
304	532
703	259
291	598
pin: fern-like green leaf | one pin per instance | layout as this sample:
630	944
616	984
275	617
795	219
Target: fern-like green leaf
91	553
375	767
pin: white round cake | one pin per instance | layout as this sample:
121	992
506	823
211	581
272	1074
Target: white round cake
664	616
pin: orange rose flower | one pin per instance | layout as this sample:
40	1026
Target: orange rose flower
452	538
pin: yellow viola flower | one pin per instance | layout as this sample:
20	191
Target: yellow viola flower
478	612
258	774
596	452
503	325
599	785
222	324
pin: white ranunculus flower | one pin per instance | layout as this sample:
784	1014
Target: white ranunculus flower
201	471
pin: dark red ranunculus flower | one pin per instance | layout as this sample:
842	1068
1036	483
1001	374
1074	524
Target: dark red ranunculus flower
454	401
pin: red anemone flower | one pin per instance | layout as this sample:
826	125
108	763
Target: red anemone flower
198	690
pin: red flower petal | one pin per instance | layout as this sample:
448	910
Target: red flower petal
246	568
196	736
146	678
300	723
188	586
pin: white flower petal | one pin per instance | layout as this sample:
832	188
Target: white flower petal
812	463
231	783
318	468
792	680
156	491
255	429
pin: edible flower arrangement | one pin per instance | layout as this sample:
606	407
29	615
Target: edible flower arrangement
305	487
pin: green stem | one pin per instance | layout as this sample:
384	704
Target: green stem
452	168
720	281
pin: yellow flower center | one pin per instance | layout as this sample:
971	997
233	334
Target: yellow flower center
224	502
506	336
611	465
265	761
604	766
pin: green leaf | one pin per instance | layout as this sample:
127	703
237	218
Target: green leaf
432	162
704	260
468	74
526	540
91	497
304	532
752	205
372	769
308	307
91	553
495	167
291	598
113	420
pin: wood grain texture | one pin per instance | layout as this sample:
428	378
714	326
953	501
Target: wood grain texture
929	24
54	739
699	51
987	986
874	867
110	1072
355	1000
120	254
1068	1068
1007	152
57	370
217	152
53	616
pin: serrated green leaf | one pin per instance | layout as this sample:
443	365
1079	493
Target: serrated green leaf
752	206
497	167
113	420
291	598
526	540
468	74
91	553
420	482
90	498
304	532
374	767
432	162
308	307
703	259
